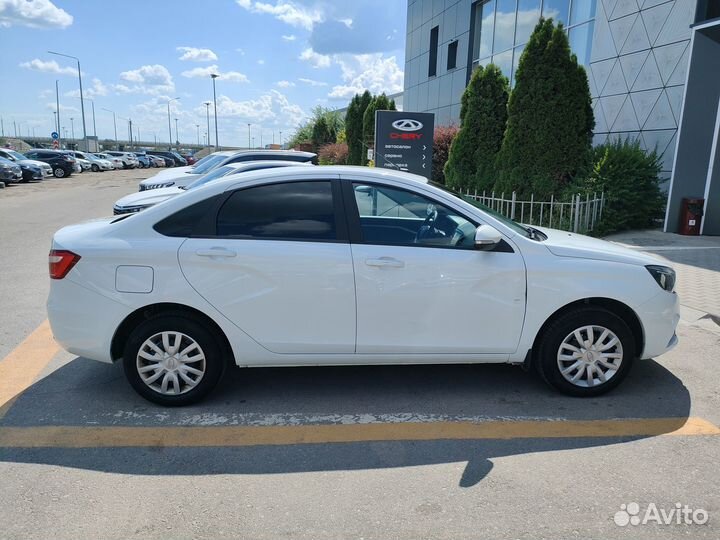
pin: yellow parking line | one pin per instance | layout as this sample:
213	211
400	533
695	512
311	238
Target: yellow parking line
236	436
19	369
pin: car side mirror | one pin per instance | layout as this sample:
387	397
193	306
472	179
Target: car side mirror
486	238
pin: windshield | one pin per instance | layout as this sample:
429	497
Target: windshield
13	153
497	215
209	177
203	166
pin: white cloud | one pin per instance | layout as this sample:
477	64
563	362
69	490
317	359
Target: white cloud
312	82
286	11
290	37
368	72
202	72
261	62
150	79
240	51
271	109
317	60
50	66
52	106
194	54
285	84
33	13
98	88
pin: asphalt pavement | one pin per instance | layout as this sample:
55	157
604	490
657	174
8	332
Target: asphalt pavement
353	452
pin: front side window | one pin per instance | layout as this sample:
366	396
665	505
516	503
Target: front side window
391	216
287	211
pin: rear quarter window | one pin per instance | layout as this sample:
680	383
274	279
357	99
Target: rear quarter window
189	221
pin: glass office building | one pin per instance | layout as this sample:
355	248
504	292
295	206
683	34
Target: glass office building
642	57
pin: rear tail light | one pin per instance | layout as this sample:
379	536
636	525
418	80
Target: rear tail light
61	262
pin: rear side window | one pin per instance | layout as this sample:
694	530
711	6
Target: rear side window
287	211
187	221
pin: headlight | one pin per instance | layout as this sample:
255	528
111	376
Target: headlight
664	275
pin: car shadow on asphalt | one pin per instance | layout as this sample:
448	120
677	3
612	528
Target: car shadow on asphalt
85	393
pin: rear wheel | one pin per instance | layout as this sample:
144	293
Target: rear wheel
59	172
173	360
586	352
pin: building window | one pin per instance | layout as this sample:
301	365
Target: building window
452	55
432	67
500	29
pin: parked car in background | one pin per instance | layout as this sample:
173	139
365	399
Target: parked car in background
128	159
189	158
62	164
349	265
143	160
10	172
21	160
84	163
218	159
157	161
31	172
96	164
140	200
177	159
115	161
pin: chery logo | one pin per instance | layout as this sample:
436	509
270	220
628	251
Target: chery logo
406	124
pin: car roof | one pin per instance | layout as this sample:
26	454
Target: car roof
269	163
273	152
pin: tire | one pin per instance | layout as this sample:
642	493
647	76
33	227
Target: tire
94	168
189	330
59	172
564	330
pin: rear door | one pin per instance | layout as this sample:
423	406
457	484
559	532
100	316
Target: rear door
279	266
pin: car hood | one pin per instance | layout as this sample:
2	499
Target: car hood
172	172
35	163
566	244
182	179
150	197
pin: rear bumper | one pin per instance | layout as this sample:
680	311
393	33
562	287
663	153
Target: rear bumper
83	322
659	317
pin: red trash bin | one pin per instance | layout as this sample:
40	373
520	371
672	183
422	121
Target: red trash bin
691	212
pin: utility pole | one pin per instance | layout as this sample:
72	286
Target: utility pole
207	113
82	103
217	143
169	124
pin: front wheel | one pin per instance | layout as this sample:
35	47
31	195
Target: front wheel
59	172
95	168
173	360
586	352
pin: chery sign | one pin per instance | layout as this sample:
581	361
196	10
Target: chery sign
404	141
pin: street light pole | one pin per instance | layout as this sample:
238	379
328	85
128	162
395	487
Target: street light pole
72	129
249	135
214	76
207	114
57	108
82	103
114	125
169	124
198	133
177	135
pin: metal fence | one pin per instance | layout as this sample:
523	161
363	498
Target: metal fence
579	215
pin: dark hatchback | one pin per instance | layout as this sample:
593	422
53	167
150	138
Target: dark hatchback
62	164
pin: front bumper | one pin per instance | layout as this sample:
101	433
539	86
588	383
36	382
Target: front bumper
659	318
10	175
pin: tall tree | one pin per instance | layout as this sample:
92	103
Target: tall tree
483	116
354	127
550	119
378	103
323	133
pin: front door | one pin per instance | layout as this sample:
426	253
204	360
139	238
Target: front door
422	287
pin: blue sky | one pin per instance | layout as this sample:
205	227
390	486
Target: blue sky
277	59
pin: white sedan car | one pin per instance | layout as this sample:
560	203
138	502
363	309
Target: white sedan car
349	265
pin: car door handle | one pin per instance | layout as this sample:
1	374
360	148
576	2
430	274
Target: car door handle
216	252
385	262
